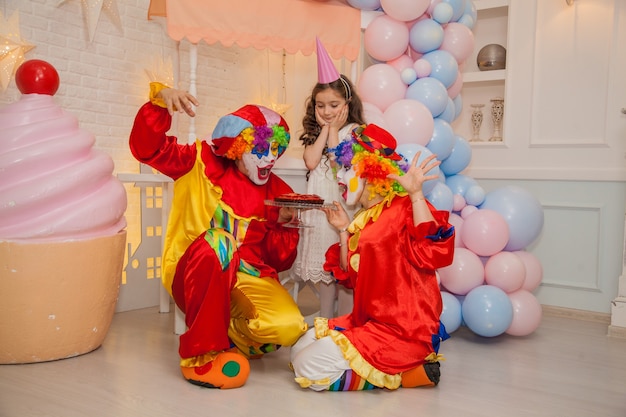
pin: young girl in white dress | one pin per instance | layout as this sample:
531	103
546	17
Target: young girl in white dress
332	111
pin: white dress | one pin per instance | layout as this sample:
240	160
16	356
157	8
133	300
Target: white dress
315	241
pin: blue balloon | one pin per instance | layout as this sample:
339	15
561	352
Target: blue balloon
442	141
458	105
487	311
467	20
442	13
409	150
458	7
470	10
459	158
449	113
365	4
521	211
425	36
431	93
441	197
459	183
408	76
475	195
443	66
451	315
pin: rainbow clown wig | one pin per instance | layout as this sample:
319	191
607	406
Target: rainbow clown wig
252	128
371	153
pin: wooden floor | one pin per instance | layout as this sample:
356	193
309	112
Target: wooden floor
567	368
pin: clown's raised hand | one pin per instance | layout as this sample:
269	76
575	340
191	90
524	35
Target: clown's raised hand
178	101
417	174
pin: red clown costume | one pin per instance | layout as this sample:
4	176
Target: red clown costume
224	247
391	337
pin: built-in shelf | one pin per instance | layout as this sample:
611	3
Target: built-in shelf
490	4
482	76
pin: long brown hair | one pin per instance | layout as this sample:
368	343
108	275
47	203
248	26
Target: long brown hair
345	89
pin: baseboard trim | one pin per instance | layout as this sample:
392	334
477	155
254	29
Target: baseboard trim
573	313
617	331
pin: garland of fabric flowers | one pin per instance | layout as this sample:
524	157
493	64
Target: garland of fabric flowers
258	140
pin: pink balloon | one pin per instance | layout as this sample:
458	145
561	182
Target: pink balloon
414	54
386	38
401	63
467	210
458	202
527	313
534	270
485	232
456	86
458	39
410	23
372	114
464	274
422	68
506	271
381	85
457	221
405	10
410	121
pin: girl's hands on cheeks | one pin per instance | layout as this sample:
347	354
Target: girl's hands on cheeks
318	117
340	118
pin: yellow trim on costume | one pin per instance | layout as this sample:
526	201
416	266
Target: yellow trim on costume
197	361
321	327
194	204
363	216
357	363
434	357
155	88
306	382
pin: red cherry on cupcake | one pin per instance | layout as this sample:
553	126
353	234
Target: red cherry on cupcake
37	76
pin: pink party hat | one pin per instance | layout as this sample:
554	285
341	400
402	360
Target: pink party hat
326	71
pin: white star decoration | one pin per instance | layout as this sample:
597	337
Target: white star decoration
92	10
12	48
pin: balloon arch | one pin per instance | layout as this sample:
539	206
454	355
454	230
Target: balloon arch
414	91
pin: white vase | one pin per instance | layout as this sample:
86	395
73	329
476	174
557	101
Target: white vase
477	121
497	114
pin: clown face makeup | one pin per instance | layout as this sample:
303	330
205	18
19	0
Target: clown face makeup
351	187
258	163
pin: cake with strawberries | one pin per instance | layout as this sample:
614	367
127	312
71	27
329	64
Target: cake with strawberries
62	227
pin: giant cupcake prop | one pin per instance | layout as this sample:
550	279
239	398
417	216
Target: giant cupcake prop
62	228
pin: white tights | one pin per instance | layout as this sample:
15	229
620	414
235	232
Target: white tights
331	293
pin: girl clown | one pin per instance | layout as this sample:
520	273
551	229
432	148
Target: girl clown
388	254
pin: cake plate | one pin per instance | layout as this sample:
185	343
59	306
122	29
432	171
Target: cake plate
297	221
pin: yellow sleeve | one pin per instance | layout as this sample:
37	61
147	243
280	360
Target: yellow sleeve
155	88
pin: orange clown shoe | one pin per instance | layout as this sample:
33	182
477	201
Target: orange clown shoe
227	370
426	375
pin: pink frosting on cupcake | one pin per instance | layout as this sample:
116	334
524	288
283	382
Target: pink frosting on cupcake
53	184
